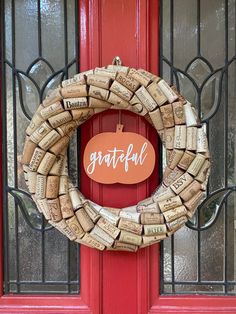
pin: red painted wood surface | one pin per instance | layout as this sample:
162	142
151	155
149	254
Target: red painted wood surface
114	282
122	28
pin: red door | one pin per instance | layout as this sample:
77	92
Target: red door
118	282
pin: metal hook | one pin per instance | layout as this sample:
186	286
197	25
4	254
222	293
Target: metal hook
117	61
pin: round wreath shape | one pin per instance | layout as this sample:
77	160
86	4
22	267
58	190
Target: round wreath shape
66	208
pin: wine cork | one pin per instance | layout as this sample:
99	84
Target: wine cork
99	110
41	182
190	190
150	75
121	91
50	139
63	227
130	238
167	116
52	189
32	178
202	174
84	219
64	171
79	79
156	119
113	210
82	115
166	89
152	230
180	97
56	168
196	164
118	101
90	210
76	200
170	203
75	103
66	206
92	242
178	110
26	170
202	145
175	213
174	175
118	68
152	218
99	81
193	203
181	183
111	217
40	132
75	226
167	193
137	108
36	159
28	151
128	82
148	205
109	228
122	246
180	136
53	97
43	207
204	184
169	135
98	92
63	185
35	122
74	90
186	160
146	99
46	163
139	77
52	110
105	72
130	226
175	158
130	216
191	119
60	119
191	143
95	206
176	224
157	94
98	103
130	209
168	155
102	236
59	145
39	109
167	171
147	240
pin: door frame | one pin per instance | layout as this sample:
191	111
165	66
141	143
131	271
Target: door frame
148	287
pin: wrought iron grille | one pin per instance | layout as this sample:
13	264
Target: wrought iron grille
198	54
39	49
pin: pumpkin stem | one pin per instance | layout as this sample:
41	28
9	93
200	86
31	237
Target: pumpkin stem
119	128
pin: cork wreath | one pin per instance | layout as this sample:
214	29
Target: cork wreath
153	219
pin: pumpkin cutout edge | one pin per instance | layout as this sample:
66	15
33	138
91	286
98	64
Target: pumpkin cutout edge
119	157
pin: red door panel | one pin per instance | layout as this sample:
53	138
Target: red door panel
121	28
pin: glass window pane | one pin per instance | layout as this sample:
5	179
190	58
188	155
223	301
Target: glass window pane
38	54
198	52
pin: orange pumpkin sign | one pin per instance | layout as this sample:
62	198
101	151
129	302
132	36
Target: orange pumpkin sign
121	157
